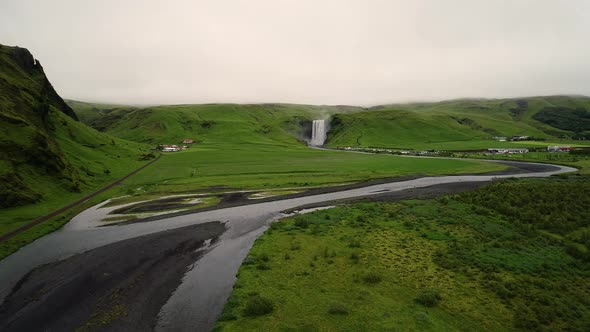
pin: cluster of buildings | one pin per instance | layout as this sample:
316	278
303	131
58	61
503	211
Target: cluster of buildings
434	152
507	150
514	138
175	148
390	151
557	148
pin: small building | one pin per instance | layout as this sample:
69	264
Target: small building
500	138
557	148
520	138
187	141
508	150
170	148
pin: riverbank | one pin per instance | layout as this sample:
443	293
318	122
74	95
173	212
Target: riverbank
199	299
471	261
117	287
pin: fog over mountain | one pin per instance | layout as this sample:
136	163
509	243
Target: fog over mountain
301	51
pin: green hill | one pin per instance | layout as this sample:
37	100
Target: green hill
282	124
457	124
460	124
47	157
249	147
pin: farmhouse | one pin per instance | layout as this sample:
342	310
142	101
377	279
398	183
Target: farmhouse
187	141
170	148
508	150
557	148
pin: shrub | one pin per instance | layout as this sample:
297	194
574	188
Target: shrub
338	309
228	311
262	266
295	246
372	278
428	298
354	244
258	306
301	223
577	250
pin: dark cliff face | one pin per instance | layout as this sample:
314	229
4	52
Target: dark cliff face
31	66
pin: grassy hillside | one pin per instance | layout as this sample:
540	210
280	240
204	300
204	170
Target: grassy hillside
249	147
47	157
209	124
470	262
459	124
453	125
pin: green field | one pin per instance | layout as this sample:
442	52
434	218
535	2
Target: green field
255	167
510	256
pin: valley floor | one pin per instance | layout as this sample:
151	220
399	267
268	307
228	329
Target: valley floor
510	256
118	263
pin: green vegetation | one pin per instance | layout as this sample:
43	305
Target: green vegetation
255	167
457	124
565	118
209	124
47	158
579	159
448	125
13	244
510	256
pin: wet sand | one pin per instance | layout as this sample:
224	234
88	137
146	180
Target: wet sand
117	287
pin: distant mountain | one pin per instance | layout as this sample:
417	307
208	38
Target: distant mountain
43	147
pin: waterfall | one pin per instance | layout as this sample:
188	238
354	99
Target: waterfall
318	133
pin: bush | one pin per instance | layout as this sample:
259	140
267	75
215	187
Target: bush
295	246
258	306
262	266
338	309
372	278
428	298
355	243
302	223
577	250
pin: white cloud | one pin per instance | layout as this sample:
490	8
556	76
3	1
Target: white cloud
304	51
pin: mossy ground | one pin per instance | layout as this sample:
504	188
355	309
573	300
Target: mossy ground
377	266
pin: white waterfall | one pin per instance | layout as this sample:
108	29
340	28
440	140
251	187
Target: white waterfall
318	133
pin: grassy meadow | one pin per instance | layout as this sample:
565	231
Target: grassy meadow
510	256
264	167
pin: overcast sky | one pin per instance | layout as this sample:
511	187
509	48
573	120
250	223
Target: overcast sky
363	52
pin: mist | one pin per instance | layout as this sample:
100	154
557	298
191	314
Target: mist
310	52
